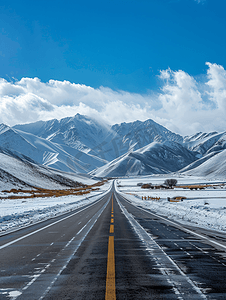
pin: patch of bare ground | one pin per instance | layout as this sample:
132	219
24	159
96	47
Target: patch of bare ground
81	189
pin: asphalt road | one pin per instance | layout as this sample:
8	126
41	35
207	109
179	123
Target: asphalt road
112	250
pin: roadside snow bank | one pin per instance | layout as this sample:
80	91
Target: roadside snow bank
211	215
18	213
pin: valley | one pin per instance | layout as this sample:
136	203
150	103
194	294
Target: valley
87	204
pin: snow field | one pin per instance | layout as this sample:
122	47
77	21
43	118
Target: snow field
202	208
17	213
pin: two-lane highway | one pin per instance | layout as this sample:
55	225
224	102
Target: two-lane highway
110	250
32	259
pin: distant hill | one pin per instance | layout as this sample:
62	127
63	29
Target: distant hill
214	166
22	172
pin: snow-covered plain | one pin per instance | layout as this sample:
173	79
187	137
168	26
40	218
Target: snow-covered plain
18	213
202	208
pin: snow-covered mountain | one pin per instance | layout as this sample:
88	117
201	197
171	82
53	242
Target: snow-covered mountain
205	143
45	152
82	144
136	135
97	139
213	167
79	132
211	148
154	158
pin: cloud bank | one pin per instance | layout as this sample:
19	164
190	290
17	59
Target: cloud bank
183	104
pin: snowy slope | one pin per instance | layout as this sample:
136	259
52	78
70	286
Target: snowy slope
205	143
154	158
208	145
62	157
78	132
19	213
214	166
16	172
10	139
45	152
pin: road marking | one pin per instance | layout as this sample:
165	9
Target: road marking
163	259
83	227
36	276
111	228
69	259
178	225
112	208
47	226
110	279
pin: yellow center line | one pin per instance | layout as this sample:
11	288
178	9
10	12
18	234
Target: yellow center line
110	278
112	209
111	228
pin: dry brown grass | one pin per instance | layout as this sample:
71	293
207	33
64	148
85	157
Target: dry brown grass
198	186
42	193
150	198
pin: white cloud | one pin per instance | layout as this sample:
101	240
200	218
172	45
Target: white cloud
189	106
183	105
30	98
217	83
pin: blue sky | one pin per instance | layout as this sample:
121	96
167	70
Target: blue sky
118	61
118	44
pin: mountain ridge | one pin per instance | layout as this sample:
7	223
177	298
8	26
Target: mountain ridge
98	139
155	158
83	144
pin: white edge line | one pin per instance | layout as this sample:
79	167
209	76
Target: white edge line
177	225
128	216
61	270
56	216
83	227
40	229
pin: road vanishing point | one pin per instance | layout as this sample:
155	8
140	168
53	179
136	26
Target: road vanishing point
112	249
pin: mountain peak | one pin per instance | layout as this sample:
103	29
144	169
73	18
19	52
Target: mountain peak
4	128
